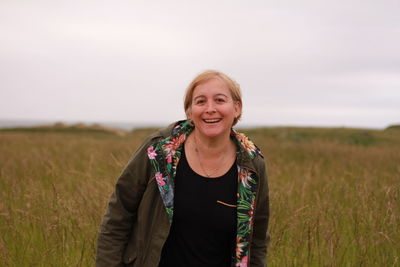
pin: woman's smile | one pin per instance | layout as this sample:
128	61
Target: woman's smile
211	120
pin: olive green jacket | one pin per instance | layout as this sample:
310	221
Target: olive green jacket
139	214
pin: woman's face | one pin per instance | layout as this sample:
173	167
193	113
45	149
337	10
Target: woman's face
213	109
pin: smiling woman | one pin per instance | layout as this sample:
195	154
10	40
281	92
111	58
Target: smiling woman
195	193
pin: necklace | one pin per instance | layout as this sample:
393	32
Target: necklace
213	171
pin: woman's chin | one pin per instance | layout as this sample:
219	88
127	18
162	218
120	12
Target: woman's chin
212	132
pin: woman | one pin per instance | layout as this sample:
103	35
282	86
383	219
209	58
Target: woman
193	194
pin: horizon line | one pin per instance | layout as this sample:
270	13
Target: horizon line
11	123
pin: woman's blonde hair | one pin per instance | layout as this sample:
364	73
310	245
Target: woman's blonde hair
231	84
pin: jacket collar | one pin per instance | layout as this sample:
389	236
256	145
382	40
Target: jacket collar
247	150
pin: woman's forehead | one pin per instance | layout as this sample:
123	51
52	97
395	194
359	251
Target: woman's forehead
211	87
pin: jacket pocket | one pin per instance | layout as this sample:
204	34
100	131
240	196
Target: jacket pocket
129	260
131	250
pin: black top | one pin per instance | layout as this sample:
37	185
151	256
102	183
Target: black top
203	230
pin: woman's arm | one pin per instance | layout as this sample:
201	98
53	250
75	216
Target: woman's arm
116	226
260	237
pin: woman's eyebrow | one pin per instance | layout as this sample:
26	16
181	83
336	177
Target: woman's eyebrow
199	96
221	95
203	96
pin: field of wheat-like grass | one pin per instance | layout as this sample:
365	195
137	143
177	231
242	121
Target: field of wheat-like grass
334	194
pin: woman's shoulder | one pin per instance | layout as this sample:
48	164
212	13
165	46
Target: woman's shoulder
158	135
247	145
172	129
249	153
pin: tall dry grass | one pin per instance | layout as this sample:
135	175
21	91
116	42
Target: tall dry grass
335	197
334	194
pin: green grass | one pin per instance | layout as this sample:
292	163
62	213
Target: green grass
334	194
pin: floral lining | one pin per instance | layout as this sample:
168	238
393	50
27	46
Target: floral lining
164	157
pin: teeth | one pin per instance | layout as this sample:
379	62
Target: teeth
212	120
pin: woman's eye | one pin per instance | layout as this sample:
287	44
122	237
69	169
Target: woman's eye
220	100
200	101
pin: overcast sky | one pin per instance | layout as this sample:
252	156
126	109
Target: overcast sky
308	63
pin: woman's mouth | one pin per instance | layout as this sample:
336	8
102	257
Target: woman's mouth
211	120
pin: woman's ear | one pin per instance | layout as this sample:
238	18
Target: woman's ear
188	113
238	108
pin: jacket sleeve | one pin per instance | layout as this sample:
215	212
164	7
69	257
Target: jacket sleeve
116	226
260	238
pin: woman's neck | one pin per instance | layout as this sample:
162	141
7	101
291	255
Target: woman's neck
211	146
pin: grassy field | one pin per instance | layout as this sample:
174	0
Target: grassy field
334	193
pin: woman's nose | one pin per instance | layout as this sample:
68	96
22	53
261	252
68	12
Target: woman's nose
210	107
